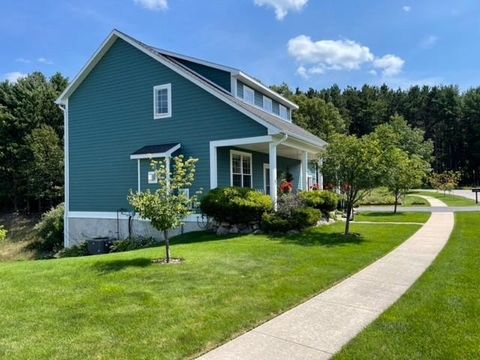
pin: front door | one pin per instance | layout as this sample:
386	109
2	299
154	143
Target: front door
266	179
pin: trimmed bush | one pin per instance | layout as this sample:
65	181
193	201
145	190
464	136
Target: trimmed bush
325	201
133	244
74	251
299	219
3	233
235	205
50	229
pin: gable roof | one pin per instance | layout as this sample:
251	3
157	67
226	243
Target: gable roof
272	123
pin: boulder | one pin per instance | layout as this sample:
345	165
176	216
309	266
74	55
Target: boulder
293	232
223	230
233	229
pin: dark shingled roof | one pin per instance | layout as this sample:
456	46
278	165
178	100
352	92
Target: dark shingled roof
155	149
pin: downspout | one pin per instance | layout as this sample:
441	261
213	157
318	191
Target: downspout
63	108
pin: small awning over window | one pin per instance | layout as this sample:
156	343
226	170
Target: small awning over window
155	151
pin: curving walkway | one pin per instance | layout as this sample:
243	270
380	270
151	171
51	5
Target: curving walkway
319	328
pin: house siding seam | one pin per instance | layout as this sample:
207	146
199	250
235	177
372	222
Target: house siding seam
111	116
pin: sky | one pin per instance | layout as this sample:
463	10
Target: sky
305	43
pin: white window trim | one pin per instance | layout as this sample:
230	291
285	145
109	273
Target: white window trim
246	89
169	95
265	180
243	154
152	177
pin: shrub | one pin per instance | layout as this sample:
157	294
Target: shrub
74	251
287	203
298	219
325	201
133	244
235	205
3	233
50	229
274	223
305	217
378	196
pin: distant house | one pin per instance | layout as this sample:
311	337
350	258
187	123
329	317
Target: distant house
132	102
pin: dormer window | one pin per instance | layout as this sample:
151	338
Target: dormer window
162	101
267	104
284	112
248	95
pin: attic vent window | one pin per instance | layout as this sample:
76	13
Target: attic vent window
162	101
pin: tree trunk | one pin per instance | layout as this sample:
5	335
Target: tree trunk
396	204
347	223
167	245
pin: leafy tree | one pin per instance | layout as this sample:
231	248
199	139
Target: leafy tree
445	181
168	205
353	164
402	173
45	171
318	116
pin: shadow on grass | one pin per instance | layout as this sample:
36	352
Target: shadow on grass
313	238
120	264
198	237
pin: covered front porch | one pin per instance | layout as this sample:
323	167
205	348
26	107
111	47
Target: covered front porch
261	162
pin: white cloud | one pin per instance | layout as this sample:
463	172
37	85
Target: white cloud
44	61
407	8
14	76
390	65
282	7
153	4
23	60
329	54
428	41
317	57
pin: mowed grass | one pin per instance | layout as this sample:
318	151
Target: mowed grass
439	317
391	217
449	199
121	306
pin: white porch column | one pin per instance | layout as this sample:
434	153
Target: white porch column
272	159
167	168
320	175
213	166
304	171
138	174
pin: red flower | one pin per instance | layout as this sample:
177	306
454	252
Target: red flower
286	187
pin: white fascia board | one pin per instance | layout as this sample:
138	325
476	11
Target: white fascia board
241	141
156	155
302	145
94	59
262	88
164	61
198	61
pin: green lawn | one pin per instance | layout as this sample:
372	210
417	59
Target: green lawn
391	217
412	200
121	306
450	200
439	317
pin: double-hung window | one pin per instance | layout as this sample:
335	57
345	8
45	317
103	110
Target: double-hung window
240	169
162	101
248	95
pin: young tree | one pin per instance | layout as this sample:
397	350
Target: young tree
353	164
169	204
446	181
402	173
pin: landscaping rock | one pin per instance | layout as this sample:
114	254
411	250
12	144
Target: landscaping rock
233	230
223	230
246	230
293	232
257	232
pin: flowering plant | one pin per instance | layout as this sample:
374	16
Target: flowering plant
286	187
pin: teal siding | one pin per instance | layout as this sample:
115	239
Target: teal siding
258	159
111	116
219	77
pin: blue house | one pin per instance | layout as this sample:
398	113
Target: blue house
133	102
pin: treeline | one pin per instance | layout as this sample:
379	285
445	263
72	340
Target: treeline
31	143
449	117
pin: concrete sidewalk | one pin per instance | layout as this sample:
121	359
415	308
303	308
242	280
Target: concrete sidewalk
319	328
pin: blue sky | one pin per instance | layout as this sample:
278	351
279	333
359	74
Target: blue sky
306	43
